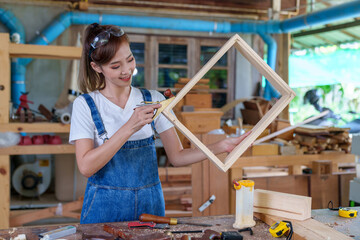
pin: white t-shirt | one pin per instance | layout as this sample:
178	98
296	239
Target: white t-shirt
113	117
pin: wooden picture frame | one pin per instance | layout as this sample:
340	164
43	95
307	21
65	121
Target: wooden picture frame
286	96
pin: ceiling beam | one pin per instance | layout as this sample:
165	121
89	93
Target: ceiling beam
327	29
350	34
325	40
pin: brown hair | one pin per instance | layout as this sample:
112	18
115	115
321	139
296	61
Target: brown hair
89	79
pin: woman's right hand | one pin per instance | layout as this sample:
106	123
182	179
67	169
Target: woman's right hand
142	116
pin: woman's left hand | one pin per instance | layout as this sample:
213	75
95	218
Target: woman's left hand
228	144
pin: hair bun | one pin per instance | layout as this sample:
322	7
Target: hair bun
94	25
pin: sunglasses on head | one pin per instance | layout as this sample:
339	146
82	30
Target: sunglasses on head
103	38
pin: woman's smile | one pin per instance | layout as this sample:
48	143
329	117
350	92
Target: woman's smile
125	79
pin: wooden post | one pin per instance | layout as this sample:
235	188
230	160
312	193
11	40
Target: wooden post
4	118
5	191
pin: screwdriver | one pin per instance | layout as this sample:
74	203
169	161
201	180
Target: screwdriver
172	221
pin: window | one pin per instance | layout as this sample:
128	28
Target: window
138	50
161	61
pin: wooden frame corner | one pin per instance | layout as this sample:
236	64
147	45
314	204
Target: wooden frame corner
286	96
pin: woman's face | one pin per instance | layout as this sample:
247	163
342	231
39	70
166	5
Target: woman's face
118	72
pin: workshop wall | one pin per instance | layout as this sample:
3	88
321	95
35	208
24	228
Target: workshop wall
46	78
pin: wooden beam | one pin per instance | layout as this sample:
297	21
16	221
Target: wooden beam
283	205
327	29
5	191
43	127
5	78
42	51
38	149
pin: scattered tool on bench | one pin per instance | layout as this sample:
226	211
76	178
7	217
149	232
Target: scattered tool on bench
343	212
278	229
148	225
172	221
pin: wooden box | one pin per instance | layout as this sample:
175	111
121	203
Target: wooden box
264	149
201	122
199	100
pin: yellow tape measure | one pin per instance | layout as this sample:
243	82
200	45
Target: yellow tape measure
343	211
278	229
347	213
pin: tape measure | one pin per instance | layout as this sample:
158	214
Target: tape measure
347	213
343	212
278	229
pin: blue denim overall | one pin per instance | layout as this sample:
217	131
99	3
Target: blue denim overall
128	185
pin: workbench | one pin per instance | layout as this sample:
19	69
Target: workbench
330	220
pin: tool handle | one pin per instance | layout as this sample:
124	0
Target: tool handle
157	219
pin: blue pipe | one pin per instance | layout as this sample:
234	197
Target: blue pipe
17	68
270	91
328	15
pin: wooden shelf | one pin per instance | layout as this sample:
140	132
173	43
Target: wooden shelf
35	127
42	51
38	149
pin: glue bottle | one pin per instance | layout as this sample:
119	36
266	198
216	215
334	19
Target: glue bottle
244	204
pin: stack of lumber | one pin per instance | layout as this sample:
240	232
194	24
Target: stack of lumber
176	184
202	84
314	139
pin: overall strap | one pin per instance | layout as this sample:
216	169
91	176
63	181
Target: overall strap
147	97
96	117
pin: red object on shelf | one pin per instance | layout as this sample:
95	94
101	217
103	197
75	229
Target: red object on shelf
25	140
55	140
46	138
37	140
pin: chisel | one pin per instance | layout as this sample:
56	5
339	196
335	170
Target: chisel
172	221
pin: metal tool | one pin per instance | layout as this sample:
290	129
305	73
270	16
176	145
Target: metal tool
347	213
343	212
148	225
58	233
231	235
172	221
246	229
278	229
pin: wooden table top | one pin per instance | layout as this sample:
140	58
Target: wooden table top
347	226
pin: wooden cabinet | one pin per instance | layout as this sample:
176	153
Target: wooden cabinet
10	50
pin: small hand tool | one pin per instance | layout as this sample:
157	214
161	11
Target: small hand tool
147	225
278	229
172	221
343	212
231	235
246	229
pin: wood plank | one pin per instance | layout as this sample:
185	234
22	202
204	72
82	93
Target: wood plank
35	127
5	78
309	229
292	160
323	189
218	181
38	149
5	191
43	51
68	210
282	204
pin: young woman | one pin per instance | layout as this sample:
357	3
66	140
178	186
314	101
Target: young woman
114	138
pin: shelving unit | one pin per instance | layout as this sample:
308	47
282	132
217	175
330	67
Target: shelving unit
10	50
